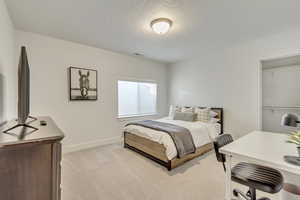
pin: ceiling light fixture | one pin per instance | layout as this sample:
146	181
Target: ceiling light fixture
161	25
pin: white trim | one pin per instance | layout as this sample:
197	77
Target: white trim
270	58
260	95
136	79
91	144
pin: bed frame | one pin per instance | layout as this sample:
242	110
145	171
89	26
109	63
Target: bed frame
157	152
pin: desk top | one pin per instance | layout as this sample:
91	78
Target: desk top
264	147
44	133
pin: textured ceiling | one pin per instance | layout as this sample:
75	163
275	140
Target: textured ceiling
123	25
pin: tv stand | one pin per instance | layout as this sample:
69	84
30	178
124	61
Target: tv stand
30	166
26	125
33	119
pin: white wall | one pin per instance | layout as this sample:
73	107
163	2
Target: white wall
7	66
197	82
281	86
230	78
84	123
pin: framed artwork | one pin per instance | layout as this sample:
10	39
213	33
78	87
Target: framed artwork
83	84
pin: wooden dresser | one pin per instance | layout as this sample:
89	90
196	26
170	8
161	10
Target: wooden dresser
30	165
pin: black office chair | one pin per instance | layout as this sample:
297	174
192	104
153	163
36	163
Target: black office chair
256	177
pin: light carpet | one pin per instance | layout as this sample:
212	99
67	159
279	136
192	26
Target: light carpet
114	173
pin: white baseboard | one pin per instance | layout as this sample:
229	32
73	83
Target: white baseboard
88	145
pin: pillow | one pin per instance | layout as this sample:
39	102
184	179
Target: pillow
187	109
213	114
185	116
214	120
173	109
203	114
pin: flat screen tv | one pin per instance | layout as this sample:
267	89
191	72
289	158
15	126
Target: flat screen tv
23	87
23	93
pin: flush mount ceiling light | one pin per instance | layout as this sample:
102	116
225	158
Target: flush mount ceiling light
161	25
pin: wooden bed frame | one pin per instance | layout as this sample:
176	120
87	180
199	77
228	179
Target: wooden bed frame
157	152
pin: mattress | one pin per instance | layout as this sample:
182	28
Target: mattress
202	133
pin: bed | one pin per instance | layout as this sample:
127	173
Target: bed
159	147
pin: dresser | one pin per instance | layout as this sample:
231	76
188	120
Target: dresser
30	162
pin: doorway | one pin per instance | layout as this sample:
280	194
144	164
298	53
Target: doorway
280	92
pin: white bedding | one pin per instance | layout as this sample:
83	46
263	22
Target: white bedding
202	134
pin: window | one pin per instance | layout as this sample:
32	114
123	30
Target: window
136	98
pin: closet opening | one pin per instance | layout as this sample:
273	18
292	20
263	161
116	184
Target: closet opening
280	92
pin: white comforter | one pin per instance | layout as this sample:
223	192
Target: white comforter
202	134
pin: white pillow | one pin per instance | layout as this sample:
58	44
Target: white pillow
214	120
187	109
174	109
203	114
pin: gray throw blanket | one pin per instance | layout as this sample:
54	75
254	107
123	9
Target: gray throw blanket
181	136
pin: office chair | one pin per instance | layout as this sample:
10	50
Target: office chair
254	176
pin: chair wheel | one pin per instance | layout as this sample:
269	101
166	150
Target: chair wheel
235	193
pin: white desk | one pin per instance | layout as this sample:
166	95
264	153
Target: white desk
263	148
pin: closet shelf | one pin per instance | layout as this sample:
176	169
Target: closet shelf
280	108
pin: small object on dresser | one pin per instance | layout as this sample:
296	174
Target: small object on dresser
43	123
292	160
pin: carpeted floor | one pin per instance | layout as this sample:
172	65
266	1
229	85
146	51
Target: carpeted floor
114	173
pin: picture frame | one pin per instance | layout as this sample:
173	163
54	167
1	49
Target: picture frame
83	84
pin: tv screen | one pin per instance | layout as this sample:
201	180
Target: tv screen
23	87
23	97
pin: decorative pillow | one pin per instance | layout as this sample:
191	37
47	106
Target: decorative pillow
203	114
174	109
185	116
187	109
213	114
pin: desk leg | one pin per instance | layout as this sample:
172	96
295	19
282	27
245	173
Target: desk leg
228	178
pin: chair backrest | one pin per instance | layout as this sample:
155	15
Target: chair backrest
219	142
